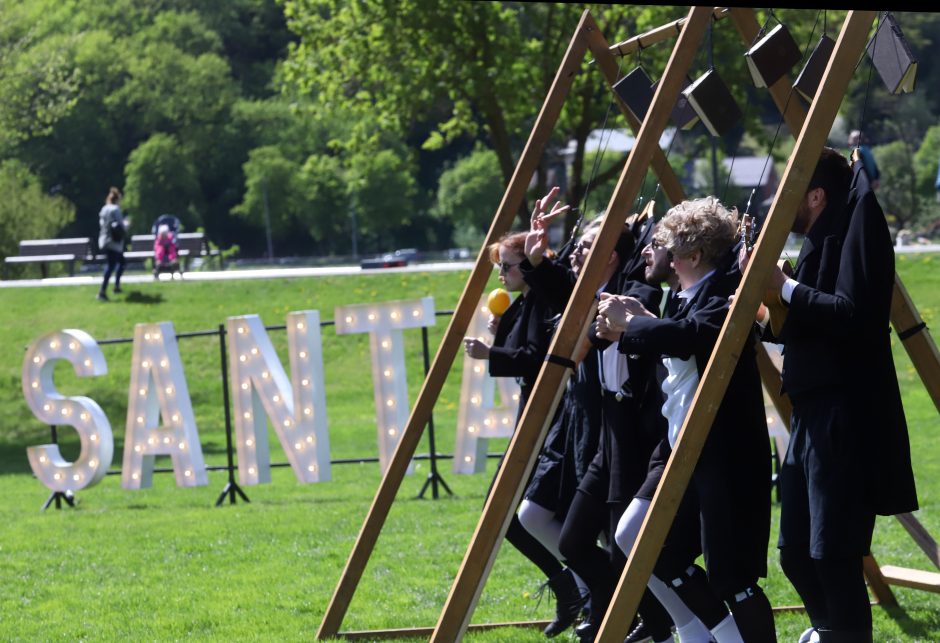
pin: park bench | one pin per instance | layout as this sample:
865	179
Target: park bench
189	244
46	251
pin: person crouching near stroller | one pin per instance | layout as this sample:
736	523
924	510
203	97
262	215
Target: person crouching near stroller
165	252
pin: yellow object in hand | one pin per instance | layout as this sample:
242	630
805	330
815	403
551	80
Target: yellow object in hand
498	301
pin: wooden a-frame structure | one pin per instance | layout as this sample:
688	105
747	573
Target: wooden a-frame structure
523	448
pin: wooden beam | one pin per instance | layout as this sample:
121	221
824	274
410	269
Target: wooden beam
877	582
737	325
530	432
921	536
657	35
466	308
913	578
920	346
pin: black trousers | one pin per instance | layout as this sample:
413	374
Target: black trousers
115	266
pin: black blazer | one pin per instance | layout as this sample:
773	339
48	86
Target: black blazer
521	342
739	430
836	334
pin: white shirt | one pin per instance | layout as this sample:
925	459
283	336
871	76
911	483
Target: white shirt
612	366
682	381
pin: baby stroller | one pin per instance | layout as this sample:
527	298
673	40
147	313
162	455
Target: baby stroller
165	245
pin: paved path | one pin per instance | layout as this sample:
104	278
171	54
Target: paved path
94	279
279	273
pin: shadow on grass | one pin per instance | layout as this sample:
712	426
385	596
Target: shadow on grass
13	458
915	630
138	297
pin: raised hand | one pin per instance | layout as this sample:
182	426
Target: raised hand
536	242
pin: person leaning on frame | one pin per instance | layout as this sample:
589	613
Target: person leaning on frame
847	419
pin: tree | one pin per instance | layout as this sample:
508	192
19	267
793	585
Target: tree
161	178
26	212
469	192
469	68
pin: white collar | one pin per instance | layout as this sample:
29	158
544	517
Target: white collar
691	291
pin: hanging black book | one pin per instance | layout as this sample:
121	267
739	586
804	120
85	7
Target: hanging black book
682	116
808	81
635	89
772	56
892	57
714	104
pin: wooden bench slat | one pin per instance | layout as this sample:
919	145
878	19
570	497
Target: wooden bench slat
914	578
38	258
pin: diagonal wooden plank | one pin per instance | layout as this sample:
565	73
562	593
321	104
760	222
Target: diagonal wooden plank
577	316
737	325
919	344
447	351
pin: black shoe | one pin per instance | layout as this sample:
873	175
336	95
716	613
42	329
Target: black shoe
568	602
640	634
117	289
586	631
102	296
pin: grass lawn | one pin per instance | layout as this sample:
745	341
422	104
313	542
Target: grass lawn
163	563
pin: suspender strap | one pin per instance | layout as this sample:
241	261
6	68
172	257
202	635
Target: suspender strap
910	332
558	359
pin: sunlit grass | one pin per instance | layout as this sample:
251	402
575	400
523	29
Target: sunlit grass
163	563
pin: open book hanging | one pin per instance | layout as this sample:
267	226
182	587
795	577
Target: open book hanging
713	102
808	81
772	56
636	91
891	55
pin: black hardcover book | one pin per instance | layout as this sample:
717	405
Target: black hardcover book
892	57
714	104
772	56
636	90
808	81
682	116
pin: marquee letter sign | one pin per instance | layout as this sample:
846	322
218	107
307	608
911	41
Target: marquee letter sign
384	322
261	390
158	390
49	406
479	418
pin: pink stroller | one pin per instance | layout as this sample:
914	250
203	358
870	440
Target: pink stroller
165	246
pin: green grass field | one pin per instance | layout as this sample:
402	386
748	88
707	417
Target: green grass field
164	564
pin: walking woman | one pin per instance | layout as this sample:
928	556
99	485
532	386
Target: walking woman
111	235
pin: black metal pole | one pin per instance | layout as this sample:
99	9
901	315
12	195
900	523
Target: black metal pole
433	477
231	487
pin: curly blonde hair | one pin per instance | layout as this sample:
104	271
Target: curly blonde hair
698	224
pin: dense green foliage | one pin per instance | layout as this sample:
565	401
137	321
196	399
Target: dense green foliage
163	564
344	122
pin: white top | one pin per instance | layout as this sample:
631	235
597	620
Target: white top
682	381
612	366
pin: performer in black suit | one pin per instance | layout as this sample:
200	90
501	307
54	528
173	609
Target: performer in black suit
848	422
726	510
521	339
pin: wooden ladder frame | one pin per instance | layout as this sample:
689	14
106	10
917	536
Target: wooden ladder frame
524	446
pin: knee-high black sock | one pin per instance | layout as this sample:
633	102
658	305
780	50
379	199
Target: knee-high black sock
694	590
800	569
531	548
843	581
654	616
753	614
